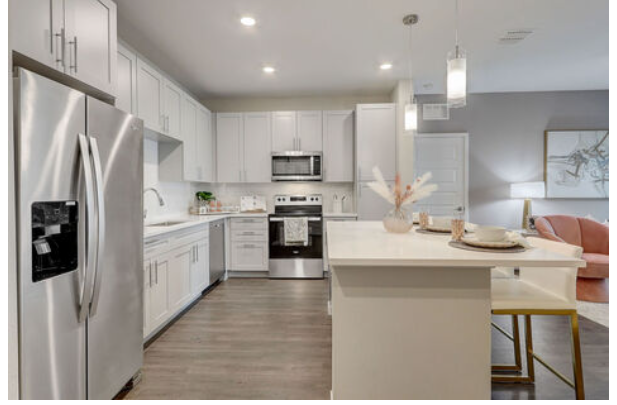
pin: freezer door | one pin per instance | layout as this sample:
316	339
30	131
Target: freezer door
116	311
52	255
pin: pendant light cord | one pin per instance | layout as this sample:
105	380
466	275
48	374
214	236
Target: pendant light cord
456	11
411	97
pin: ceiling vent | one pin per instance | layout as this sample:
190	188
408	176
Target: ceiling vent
514	36
435	112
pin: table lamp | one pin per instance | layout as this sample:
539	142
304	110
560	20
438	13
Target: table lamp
527	191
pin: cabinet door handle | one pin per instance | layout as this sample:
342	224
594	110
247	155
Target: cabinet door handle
197	252
167	123
150	274
61	49
74	63
156	270
299	143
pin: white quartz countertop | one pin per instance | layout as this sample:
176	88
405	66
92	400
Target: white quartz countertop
340	215
366	243
190	221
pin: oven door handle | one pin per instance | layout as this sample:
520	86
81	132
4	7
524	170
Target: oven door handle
281	219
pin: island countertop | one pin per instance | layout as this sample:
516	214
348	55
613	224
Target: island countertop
366	243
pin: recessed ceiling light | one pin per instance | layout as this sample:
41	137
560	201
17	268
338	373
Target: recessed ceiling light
385	66
269	69
247	21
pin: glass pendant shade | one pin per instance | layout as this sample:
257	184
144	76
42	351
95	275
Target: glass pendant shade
411	117
457	79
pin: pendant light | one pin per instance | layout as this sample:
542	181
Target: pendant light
411	107
457	71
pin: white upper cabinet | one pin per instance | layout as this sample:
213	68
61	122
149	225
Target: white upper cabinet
375	140
172	106
309	131
297	131
75	37
284	131
338	145
91	42
229	134
150	96
37	29
257	151
189	138
126	90
205	146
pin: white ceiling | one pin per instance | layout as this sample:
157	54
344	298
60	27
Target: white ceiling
326	47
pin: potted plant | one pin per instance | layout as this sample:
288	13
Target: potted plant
204	198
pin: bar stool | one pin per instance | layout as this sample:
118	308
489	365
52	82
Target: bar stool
540	291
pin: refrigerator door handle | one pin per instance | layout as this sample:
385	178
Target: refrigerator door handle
84	305
100	250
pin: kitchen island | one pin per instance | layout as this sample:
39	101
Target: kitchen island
411	315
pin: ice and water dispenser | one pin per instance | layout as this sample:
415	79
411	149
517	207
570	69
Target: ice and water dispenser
54	238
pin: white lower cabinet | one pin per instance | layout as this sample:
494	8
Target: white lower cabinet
158	292
249	244
200	267
176	272
179	276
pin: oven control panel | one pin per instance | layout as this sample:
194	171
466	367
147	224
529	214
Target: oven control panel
311	199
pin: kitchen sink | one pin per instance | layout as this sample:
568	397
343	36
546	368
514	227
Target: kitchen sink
166	223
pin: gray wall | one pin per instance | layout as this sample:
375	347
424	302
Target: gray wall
506	135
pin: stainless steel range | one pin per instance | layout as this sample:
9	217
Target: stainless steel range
301	257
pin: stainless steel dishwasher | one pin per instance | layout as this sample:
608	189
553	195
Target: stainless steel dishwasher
217	250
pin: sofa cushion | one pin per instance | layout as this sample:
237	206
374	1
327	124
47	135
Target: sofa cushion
567	228
597	266
594	236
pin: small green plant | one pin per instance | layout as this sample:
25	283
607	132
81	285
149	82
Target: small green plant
205	196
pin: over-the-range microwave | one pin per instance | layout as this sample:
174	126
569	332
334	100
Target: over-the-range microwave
297	166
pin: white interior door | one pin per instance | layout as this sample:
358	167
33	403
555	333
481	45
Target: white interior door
446	157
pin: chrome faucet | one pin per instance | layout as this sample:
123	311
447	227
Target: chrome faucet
158	195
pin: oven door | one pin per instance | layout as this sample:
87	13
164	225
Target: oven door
313	250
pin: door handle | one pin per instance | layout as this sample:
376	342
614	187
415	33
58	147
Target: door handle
100	200
156	272
84	305
62	48
150	274
74	62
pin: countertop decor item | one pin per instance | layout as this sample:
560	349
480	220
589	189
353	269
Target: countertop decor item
398	219
202	202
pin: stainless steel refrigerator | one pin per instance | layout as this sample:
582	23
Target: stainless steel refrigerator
80	239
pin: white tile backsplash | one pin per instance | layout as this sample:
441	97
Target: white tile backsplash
231	193
179	196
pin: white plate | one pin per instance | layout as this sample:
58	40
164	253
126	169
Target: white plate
473	241
436	229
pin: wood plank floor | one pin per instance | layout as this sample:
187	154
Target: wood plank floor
271	339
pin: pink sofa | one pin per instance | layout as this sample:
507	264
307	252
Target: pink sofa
592	236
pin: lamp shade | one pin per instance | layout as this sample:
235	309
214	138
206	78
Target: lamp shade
527	190
411	117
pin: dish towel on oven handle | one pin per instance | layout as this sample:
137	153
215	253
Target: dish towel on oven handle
296	231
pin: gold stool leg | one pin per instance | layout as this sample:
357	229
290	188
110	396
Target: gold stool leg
517	343
531	374
576	358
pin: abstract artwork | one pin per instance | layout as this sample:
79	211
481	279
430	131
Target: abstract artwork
576	164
